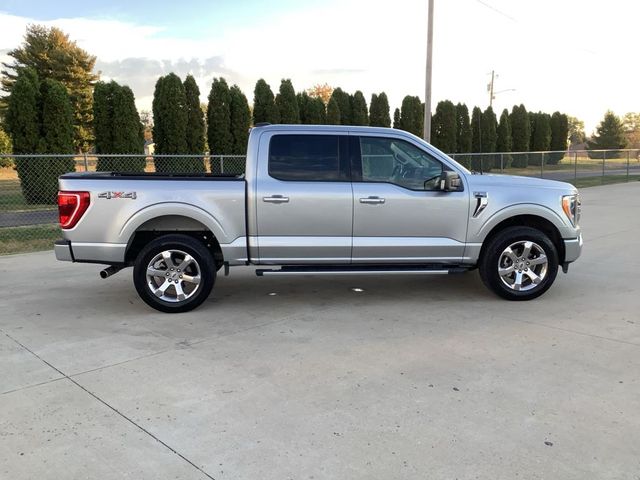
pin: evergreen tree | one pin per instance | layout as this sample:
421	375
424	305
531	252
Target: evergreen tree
264	105
542	133
22	116
343	100
396	118
504	140
219	118
476	130
50	53
609	135
117	128
333	112
240	121
303	100
411	118
520	134
287	103
5	148
489	136
379	111
170	125
559	137
463	129
316	113
127	132
443	127
103	94
489	127
195	121
56	138
359	113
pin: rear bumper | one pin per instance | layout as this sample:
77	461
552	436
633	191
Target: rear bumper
572	249
62	249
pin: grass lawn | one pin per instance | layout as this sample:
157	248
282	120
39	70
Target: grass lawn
28	239
11	199
606	180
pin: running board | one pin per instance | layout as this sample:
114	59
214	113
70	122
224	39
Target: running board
363	270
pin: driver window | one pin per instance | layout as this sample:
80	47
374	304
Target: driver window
395	161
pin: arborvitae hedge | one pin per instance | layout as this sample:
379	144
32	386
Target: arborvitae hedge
379	111
40	120
264	105
287	103
333	112
444	128
240	120
170	125
219	118
359	113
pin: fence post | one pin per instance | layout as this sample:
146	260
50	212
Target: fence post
541	165
86	163
628	159
604	156
575	166
501	162
221	164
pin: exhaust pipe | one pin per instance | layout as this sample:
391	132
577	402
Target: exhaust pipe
110	270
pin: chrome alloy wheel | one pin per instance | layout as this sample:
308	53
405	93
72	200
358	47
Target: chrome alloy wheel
522	266
173	276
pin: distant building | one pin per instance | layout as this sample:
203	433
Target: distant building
149	147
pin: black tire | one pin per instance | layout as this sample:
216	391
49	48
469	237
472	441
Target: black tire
194	293
495	253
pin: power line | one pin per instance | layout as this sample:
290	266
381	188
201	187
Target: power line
500	12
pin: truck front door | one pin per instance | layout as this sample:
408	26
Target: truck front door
400	214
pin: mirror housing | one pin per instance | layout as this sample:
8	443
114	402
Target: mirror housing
450	181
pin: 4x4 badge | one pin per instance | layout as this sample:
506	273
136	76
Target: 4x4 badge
110	195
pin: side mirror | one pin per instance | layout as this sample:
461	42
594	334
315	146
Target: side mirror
450	181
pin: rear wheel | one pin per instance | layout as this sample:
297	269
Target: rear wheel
519	263
174	273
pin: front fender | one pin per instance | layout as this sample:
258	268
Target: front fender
481	227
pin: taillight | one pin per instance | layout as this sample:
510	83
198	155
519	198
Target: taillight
71	207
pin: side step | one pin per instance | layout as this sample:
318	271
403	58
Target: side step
363	270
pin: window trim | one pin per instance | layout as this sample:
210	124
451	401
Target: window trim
356	162
344	165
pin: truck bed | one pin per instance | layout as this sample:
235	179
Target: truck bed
123	204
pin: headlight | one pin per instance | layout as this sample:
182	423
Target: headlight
571	208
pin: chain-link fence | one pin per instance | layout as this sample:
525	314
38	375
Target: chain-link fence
580	167
29	186
28	183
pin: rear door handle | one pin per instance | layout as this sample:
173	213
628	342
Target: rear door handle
276	199
373	200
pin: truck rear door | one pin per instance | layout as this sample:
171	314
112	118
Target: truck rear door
304	198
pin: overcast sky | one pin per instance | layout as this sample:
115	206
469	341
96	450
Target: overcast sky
579	57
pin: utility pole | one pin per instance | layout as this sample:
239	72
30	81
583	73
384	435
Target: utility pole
427	90
490	88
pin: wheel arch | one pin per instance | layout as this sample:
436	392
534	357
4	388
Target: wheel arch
161	225
538	222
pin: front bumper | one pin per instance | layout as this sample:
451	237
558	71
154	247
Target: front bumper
62	249
572	248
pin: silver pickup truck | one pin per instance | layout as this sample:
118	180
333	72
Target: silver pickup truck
321	200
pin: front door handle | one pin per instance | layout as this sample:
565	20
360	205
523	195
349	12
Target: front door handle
276	199
373	200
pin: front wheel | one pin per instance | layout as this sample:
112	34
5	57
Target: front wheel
174	273
519	263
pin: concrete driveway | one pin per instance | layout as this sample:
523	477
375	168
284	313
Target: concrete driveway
274	378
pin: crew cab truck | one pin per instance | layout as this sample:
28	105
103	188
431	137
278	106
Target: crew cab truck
323	200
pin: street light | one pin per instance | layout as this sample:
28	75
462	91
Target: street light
427	89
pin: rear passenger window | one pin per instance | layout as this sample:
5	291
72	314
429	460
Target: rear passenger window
305	158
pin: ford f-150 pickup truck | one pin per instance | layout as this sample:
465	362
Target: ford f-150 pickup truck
321	200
